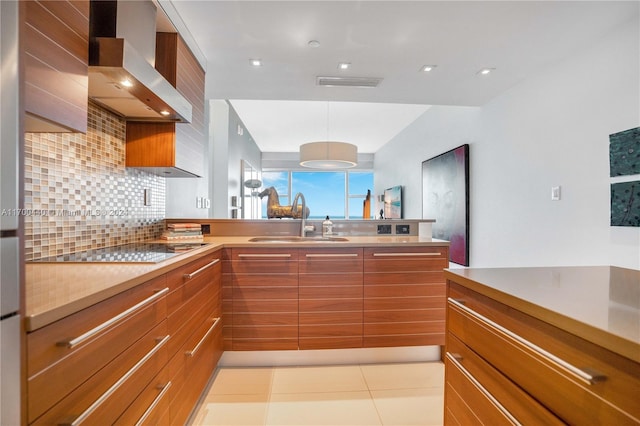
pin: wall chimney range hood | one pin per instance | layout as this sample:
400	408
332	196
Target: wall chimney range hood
122	76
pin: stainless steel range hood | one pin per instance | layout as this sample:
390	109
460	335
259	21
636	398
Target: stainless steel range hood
122	77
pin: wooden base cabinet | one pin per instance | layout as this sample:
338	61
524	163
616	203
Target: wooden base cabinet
264	285
503	366
404	296
333	297
195	317
144	355
330	298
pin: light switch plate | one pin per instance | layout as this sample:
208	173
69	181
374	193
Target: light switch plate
555	193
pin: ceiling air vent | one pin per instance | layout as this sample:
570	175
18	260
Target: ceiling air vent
348	81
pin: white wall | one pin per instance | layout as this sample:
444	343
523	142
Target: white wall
228	150
549	130
181	193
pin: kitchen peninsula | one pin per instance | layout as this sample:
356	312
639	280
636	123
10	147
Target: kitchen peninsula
543	345
176	317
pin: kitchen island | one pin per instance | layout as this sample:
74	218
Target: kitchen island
543	345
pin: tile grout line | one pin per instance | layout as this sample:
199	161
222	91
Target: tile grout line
373	401
266	410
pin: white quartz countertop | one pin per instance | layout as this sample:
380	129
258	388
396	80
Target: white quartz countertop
601	304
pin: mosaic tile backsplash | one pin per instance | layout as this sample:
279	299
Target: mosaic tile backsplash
79	195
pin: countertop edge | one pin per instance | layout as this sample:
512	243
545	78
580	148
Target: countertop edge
606	339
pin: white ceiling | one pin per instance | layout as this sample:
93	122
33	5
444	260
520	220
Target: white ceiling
387	39
282	126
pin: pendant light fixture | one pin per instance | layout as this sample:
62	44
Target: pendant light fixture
328	154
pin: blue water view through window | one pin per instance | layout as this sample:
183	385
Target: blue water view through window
338	194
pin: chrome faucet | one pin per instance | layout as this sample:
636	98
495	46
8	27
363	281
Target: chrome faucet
294	208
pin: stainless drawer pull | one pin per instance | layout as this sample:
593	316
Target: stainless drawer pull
405	254
482	389
80	339
196	272
266	255
98	402
333	255
193	351
579	374
153	405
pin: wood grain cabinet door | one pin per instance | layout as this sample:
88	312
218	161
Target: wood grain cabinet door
404	296
56	65
264	283
330	298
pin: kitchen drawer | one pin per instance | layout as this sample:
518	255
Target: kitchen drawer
275	255
190	279
98	335
151	407
580	382
405	259
485	390
104	396
191	368
42	344
190	316
330	260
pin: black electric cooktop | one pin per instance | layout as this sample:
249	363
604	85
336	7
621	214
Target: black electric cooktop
135	252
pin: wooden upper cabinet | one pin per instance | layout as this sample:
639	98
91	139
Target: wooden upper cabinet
55	51
172	149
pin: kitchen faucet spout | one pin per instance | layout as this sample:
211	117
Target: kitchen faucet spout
303	213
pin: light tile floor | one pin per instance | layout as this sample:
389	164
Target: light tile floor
373	394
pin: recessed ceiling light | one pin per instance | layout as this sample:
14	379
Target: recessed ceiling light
165	112
344	65
485	71
427	68
256	62
126	83
314	43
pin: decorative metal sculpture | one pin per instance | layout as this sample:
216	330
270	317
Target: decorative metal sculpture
275	210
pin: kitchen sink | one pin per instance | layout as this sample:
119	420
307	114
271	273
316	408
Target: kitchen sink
293	239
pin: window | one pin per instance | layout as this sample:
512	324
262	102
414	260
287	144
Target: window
337	194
